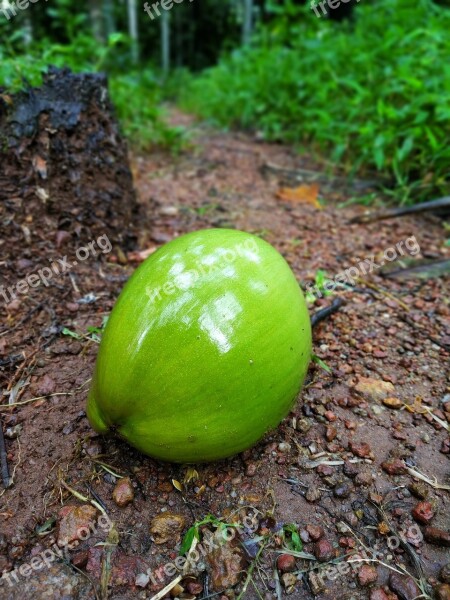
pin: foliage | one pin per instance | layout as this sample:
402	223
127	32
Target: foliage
320	281
291	537
194	531
373	94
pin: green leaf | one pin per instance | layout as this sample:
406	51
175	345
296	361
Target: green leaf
294	543
321	363
186	544
71	333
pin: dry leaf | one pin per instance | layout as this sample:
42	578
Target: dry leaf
140	256
303	193
6	99
177	485
383	528
191	475
40	166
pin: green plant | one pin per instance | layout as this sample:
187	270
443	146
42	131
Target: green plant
320	281
291	537
92	333
194	531
373	95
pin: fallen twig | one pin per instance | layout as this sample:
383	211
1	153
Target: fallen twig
168	587
434	484
324	313
439	205
6	406
301	174
11	481
109	547
384	293
4	460
277	583
250	572
428	269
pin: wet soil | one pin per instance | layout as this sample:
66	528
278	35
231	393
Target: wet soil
396	332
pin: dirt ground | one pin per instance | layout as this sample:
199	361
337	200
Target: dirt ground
384	401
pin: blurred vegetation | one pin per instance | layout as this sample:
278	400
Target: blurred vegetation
369	94
372	94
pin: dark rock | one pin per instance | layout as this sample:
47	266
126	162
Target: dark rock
194	587
323	550
423	513
342	490
394	467
125	569
315	532
444	574
438	537
404	587
286	563
367	575
378	594
442	591
350	469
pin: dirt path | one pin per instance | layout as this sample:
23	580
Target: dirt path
320	468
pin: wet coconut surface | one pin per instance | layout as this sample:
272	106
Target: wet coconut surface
360	463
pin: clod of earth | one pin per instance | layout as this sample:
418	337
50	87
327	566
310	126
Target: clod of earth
205	349
423	512
367	574
374	389
167	526
72	520
226	561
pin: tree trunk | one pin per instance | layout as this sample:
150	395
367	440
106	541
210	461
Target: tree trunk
165	41
65	169
247	22
133	30
95	14
110	22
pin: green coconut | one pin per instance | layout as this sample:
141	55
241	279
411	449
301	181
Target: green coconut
205	350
